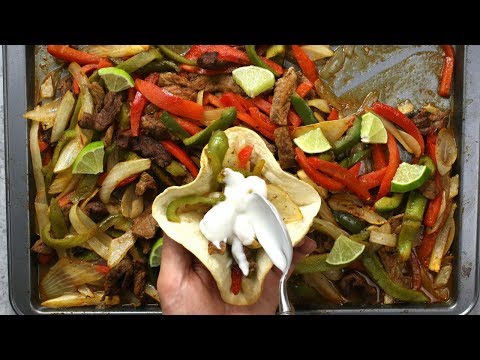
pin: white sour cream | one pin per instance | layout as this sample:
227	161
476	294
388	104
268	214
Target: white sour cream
228	221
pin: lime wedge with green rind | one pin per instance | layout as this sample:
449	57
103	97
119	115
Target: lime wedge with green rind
116	79
313	142
90	159
253	79
155	257
372	130
409	177
344	251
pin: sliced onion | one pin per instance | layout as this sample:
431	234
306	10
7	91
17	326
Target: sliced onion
446	151
120	172
441	280
37	162
318	116
441	242
210	116
62	116
66	275
75	300
378	237
131	204
406	107
411	142
340	204
317	52
88	224
46	89
328	228
60	182
89	198
408	142
68	155
200	97
83	82
151	291
320	104
454	185
115	50
71	186
333	129
44	114
85	290
119	248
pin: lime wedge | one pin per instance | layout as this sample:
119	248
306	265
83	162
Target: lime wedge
344	251
372	129
313	142
116	79
253	79
156	253
90	159
409	177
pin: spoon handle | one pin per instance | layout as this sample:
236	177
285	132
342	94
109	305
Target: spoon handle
284	307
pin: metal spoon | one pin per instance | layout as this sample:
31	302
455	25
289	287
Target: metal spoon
273	236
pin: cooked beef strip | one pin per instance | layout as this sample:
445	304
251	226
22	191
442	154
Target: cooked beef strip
150	148
429	189
217	83
98	95
119	277
171	78
146	182
100	121
122	139
139	279
284	88
145	225
151	125
427	121
41	248
394	266
286	150
64	85
151	109
209	60
107	139
183	92
355	287
96	210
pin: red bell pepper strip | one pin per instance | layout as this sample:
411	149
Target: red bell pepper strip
246	103
229	99
373	179
47	156
103	269
236	276
416	272
308	66
424	250
181	156
433	208
198	70
126	181
44	259
66	53
294	119
333	114
64	200
263	105
304	88
244	156
101	178
379	156
247	119
273	65
225	53
103	63
189	127
447	72
42	144
167	101
317	177
342	175
212	99
86	69
400	119
131	95
262	119
355	169
393	163
432	146
138	104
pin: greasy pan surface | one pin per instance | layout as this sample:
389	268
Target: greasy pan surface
397	72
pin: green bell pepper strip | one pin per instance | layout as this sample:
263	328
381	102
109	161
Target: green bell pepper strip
315	263
189	200
428	162
258	168
303	110
172	125
351	138
216	150
140	60
47	170
85	255
361	237
76	111
355	158
389	203
172	55
256	60
159	66
85	188
59	226
351	223
412	220
123	117
377	272
176	169
224	122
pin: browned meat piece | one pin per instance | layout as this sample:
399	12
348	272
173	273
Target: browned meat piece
64	85
284	88
151	125
96	211
41	248
427	121
396	223
98	95
100	121
107	139
212	249
170	78
150	148
145	225
286	150
119	277
151	109
395	268
356	289
146	245
221	83
183	92
139	279
209	60
430	189
122	140
146	182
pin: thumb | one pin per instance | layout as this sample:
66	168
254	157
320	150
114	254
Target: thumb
176	262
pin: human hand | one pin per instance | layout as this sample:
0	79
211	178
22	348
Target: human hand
186	286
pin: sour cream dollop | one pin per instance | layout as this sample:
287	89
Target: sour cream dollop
228	221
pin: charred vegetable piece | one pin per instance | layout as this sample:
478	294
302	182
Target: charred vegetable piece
303	110
412	220
389	203
172	125
355	158
377	272
315	263
351	138
172	55
59	226
351	223
177	204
